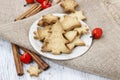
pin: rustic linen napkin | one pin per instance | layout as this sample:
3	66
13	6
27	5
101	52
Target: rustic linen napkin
103	58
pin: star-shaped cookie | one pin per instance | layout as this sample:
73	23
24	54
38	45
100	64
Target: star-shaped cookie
41	34
70	35
48	20
34	71
76	42
69	5
79	15
70	23
82	30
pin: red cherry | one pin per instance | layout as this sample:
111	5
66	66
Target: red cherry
97	33
26	58
30	1
46	4
40	1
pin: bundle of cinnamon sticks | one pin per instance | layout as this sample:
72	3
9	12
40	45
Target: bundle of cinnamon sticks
32	11
15	48
19	67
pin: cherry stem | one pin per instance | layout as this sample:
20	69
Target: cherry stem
92	37
25	5
20	52
49	0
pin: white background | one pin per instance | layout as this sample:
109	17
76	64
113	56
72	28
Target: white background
56	72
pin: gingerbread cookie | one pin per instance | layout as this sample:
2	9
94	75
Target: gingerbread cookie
41	34
70	23
79	15
56	41
34	71
69	5
82	30
76	42
48	20
70	35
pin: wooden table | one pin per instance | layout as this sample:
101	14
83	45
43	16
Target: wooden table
56	72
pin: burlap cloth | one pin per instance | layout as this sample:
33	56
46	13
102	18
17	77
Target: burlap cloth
103	58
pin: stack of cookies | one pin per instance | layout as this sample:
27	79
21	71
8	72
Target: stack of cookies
60	34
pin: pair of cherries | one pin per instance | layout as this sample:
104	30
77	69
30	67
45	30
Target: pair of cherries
44	3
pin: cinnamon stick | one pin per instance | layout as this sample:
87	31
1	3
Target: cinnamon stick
58	1
35	11
19	66
37	59
22	16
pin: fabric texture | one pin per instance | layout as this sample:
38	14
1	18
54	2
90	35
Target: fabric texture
103	58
